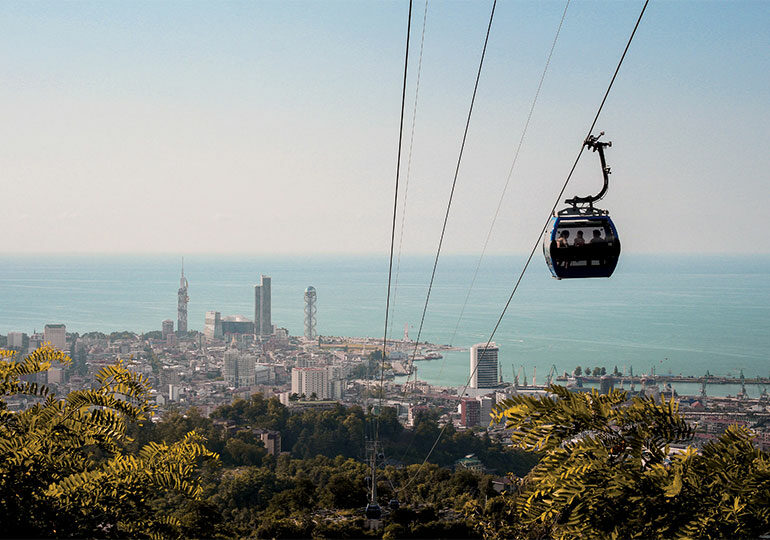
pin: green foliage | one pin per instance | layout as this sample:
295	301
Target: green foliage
340	431
64	470
125	334
94	335
608	472
454	445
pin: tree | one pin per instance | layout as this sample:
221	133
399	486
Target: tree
608	472
597	371
344	490
578	371
64	469
603	371
125	334
615	371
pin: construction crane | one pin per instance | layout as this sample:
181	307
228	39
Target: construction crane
551	373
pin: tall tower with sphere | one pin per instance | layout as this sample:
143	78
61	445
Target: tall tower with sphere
310	310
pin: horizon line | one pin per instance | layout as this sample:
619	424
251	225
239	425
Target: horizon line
346	254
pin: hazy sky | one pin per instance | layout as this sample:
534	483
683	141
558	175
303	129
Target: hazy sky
271	127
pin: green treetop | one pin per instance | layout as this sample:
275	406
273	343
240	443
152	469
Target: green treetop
64	470
609	471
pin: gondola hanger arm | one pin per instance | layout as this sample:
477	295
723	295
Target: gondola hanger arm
593	142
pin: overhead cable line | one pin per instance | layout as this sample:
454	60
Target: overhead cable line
393	227
451	193
505	187
510	175
409	162
540	235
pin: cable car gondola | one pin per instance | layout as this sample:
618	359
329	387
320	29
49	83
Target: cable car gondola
582	241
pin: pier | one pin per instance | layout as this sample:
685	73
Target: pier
637	379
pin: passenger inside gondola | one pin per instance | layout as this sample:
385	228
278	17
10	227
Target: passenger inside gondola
562	240
579	241
597	237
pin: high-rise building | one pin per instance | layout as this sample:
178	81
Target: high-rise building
246	370
16	340
263	326
239	369
237	324
310	310
56	335
309	381
230	366
181	307
470	412
212	327
167	327
484	366
486	403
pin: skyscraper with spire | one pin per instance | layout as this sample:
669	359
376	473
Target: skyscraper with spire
182	300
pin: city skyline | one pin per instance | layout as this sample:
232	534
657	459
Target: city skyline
130	120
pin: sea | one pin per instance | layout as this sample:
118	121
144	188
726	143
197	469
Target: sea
658	313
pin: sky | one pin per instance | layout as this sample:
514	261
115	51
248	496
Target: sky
272	127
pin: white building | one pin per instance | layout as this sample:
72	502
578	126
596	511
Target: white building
309	381
212	327
56	335
264	374
230	367
246	370
484	366
15	340
239	369
167	328
56	374
486	403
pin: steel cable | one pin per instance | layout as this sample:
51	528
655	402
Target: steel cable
537	242
393	227
510	175
451	193
409	162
